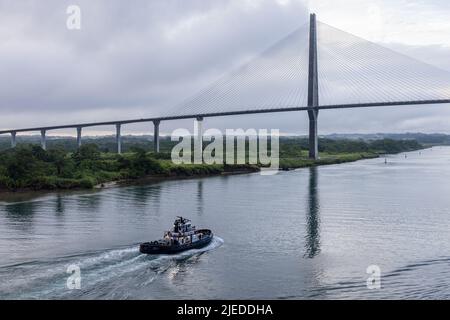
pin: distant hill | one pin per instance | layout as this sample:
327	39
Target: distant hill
108	143
423	138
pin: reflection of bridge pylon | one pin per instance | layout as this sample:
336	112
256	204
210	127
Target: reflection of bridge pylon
312	237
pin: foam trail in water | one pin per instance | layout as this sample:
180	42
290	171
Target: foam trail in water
44	279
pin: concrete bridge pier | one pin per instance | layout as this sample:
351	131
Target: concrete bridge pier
43	140
79	137
198	141
13	139
313	135
313	90
156	136
118	138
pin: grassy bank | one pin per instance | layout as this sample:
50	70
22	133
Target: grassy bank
29	167
325	159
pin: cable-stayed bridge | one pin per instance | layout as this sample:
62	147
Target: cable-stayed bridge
315	67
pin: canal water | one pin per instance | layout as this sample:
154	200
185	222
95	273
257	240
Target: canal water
305	234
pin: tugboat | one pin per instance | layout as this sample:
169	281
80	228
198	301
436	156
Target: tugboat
183	236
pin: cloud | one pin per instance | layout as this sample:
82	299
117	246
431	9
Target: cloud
128	60
134	59
404	21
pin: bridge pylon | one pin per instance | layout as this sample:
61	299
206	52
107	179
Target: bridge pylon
13	139
313	90
119	138
79	137
43	139
156	135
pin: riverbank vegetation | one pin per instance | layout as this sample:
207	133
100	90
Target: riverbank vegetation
29	167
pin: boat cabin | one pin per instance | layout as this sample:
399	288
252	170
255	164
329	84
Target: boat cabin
183	232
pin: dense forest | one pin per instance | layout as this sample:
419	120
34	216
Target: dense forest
62	166
108	143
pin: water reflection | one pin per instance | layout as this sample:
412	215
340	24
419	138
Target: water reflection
144	198
90	202
59	204
154	199
141	194
200	197
21	214
313	216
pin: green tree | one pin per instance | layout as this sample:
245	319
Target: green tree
88	151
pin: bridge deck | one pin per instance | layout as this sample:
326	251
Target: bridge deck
229	113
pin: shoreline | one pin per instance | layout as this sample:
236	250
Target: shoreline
30	193
162	178
302	163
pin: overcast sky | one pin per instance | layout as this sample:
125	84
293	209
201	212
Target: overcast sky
132	59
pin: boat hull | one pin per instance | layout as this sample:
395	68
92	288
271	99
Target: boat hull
157	248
